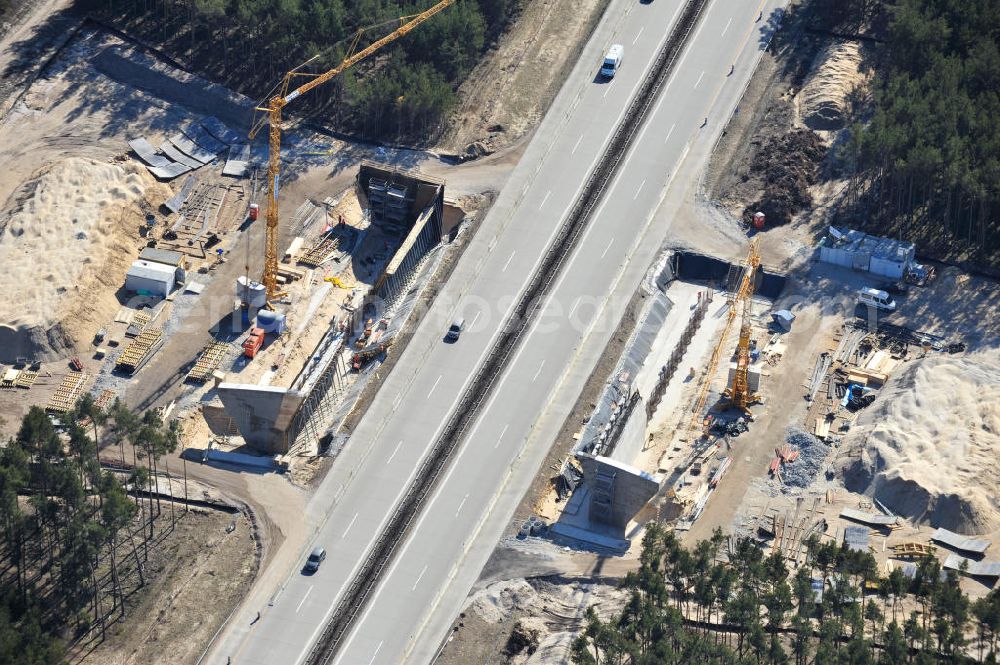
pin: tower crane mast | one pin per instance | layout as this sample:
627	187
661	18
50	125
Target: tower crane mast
739	296
271	115
738	393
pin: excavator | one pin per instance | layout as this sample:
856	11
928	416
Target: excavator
337	282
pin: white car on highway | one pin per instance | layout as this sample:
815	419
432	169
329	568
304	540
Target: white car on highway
612	61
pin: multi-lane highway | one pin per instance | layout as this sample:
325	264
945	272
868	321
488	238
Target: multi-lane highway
409	611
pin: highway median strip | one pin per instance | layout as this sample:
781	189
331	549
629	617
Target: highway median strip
481	386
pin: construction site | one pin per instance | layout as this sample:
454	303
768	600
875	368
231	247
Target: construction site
741	401
141	230
161	238
180	248
760	395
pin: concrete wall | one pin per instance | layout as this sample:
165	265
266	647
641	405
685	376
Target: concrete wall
422	237
426	209
633	435
618	491
422	191
452	217
262	413
322	381
701	268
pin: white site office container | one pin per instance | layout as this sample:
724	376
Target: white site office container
150	278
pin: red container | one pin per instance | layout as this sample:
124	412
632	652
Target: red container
758	221
254	211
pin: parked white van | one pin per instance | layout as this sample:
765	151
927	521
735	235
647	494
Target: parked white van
612	61
877	299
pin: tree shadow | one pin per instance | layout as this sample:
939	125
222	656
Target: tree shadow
770	26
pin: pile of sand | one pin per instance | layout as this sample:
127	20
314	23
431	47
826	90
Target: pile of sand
824	99
499	600
56	234
929	447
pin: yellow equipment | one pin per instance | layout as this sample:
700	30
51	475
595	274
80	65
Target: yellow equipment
739	393
336	282
271	115
736	296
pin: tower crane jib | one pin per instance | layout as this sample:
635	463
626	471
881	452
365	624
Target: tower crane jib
272	117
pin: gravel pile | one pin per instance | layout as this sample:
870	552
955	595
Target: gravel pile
812	457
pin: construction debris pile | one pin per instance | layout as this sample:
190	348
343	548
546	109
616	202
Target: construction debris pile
548	611
802	470
787	166
929	446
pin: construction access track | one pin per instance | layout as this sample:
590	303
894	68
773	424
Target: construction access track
480	388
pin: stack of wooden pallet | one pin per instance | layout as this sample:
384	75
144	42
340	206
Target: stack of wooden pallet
105	399
17	378
320	251
912	550
26	378
138	323
208	361
68	392
140	350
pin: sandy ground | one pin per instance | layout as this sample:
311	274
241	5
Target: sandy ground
825	103
929	448
197	561
70	231
539	589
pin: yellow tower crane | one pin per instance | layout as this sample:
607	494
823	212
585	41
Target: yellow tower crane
738	393
739	295
271	115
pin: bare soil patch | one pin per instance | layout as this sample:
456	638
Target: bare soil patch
171	621
787	166
508	92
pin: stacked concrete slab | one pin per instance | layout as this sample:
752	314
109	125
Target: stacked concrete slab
238	160
197	144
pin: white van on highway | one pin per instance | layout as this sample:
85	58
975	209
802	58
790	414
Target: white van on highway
612	61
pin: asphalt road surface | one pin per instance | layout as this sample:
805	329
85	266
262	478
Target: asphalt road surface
409	612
